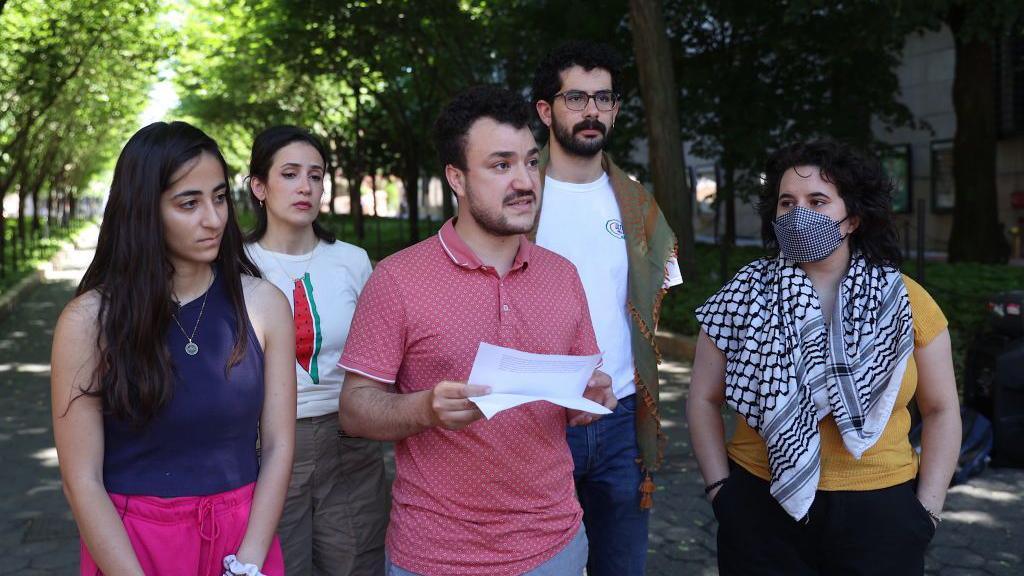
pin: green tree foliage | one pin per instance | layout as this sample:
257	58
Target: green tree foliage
370	77
757	76
74	75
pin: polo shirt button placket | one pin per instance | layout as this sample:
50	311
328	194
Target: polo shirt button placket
503	319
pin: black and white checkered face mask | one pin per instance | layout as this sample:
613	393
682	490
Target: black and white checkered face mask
807	236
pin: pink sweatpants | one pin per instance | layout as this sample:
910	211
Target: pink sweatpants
189	535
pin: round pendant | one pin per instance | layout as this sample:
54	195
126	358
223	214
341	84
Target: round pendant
191	349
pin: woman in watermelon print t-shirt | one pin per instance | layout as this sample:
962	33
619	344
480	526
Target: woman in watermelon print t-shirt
335	514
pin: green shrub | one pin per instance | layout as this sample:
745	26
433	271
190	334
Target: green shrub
384	236
37	250
961	290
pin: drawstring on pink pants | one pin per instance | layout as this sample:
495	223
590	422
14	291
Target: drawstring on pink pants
206	517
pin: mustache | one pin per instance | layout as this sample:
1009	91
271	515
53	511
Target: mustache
589	124
515	196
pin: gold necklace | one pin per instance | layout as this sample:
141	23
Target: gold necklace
308	261
192	348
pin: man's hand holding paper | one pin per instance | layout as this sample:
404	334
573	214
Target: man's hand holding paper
516	378
450	406
599	389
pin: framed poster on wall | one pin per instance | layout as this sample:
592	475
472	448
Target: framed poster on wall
943	187
896	163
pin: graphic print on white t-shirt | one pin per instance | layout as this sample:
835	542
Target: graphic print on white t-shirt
582	222
323	301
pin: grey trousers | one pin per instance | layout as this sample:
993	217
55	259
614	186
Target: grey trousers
570	561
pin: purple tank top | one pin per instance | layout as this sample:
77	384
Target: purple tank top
204	441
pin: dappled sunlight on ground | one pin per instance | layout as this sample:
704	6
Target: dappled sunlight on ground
1000	496
45	486
47	457
25	368
971	517
669	368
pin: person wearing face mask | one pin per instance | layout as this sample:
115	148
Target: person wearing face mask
335	513
819	350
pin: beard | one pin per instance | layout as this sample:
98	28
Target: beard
498	224
586	147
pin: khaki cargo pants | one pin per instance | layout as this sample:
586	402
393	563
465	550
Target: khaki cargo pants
335	513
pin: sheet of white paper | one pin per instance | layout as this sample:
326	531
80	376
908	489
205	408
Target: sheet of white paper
517	377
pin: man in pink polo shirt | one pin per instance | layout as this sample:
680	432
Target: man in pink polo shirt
473	496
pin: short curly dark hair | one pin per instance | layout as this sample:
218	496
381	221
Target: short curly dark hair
547	79
862	183
453	124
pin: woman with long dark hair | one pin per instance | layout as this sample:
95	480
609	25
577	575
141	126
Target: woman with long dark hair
819	350
335	514
166	371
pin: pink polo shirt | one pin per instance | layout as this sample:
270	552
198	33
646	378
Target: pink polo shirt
496	497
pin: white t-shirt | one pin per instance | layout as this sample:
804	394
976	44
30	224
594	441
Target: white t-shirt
582	222
327	295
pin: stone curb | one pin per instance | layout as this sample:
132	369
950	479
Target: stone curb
676	346
10	298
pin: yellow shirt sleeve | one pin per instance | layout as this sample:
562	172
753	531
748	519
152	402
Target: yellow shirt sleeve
929	321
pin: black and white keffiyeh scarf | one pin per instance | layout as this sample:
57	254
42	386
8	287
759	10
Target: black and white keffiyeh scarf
787	368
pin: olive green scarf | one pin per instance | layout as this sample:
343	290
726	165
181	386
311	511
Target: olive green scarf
649	245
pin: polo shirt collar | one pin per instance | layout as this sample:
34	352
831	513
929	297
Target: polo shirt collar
462	255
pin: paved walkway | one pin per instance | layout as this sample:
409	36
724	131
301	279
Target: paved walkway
983	532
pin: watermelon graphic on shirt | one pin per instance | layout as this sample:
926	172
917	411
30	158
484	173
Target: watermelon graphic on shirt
308	336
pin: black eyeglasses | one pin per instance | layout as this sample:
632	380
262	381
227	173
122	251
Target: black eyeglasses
577	100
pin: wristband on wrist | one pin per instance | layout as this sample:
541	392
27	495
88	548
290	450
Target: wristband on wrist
936	517
715	484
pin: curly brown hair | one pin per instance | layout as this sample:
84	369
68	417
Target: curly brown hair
862	183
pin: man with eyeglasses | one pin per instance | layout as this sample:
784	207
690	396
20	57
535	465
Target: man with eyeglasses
611	228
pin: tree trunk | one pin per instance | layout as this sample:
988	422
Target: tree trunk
977	234
18	247
355	194
410	180
728	202
661	97
58	208
15	167
447	202
64	209
36	223
355	203
335	182
729	196
51	204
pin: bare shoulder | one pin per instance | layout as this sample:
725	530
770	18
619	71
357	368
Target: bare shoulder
79	320
259	292
75	346
264	301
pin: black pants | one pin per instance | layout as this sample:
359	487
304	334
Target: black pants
875	532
